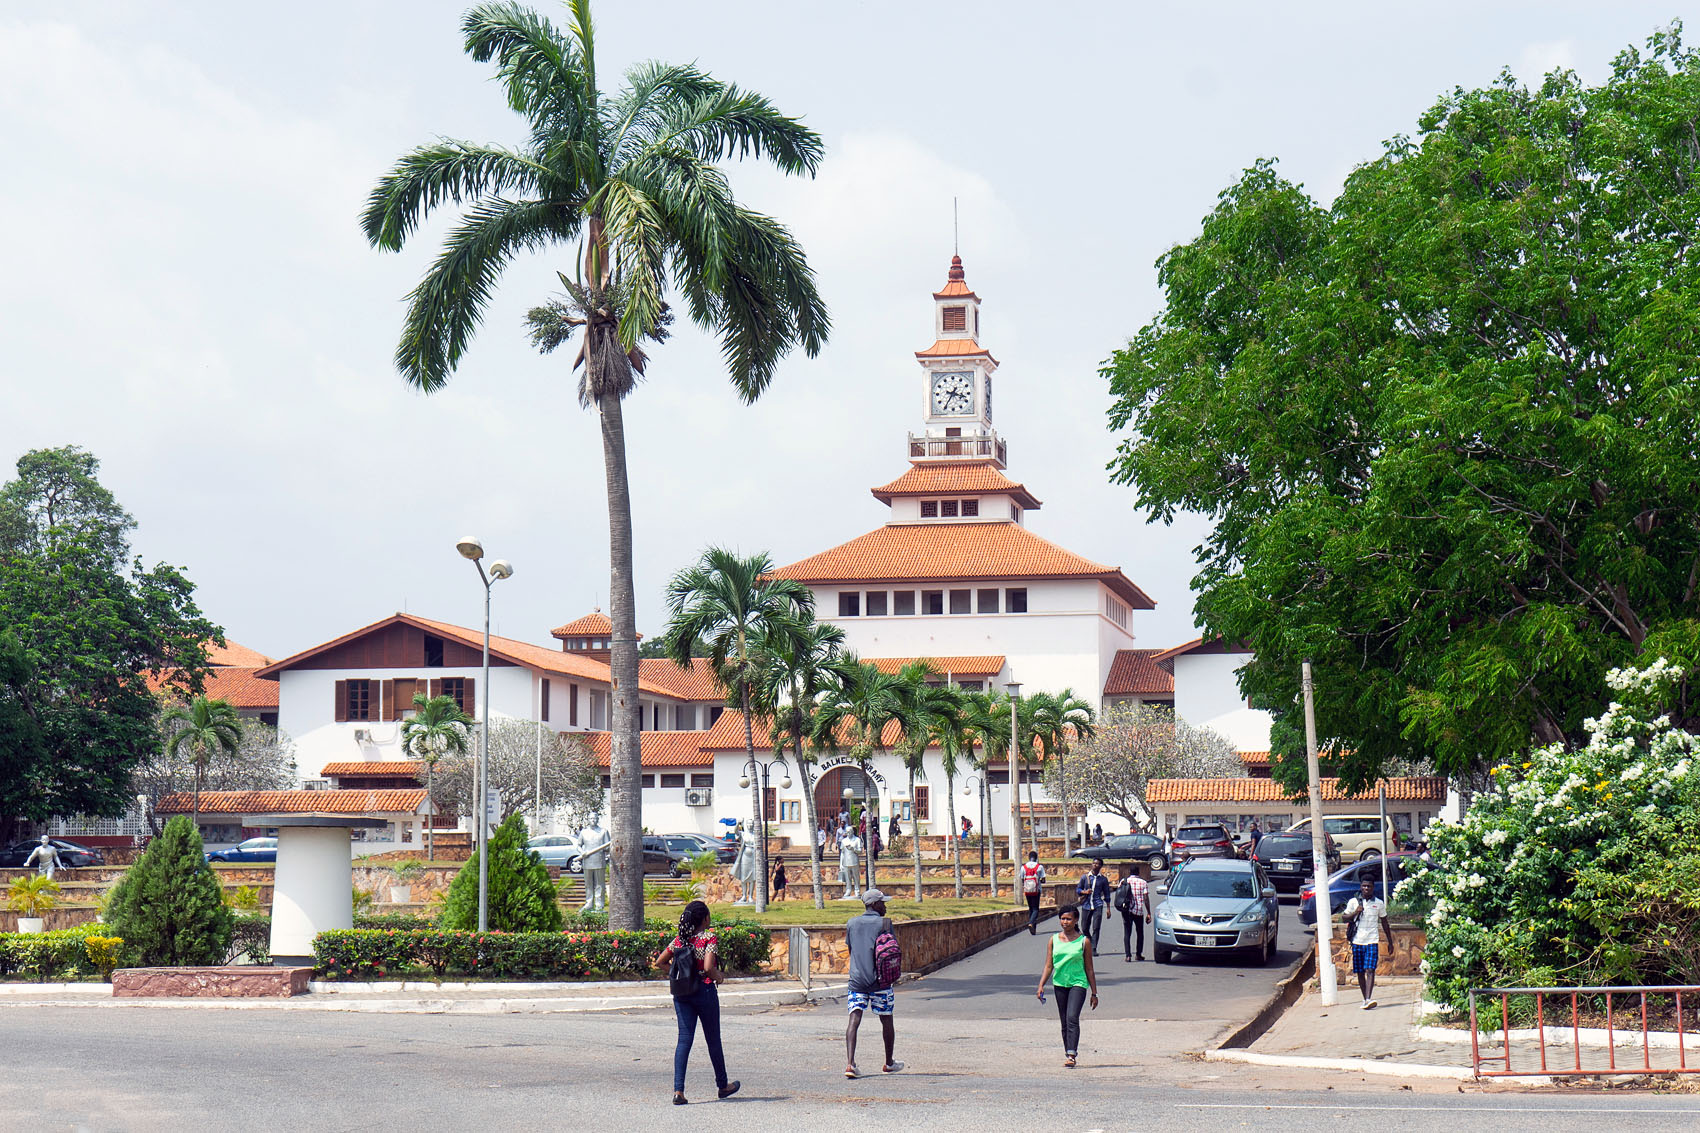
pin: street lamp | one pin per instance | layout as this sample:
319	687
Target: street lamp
470	548
985	815
751	768
1013	688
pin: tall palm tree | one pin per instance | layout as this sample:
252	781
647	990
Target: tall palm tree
728	609
438	727
204	727
952	733
1054	717
987	721
917	702
633	182
857	709
801	666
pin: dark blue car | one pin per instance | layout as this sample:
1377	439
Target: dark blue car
1343	885
253	850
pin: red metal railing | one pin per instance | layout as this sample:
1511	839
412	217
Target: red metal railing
1613	997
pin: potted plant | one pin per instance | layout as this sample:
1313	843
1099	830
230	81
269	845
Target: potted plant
404	874
30	897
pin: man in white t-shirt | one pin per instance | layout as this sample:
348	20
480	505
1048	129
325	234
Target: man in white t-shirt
1367	915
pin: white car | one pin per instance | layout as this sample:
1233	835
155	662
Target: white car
558	850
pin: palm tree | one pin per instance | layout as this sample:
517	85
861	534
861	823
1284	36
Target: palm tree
857	709
633	181
1054	717
987	720
798	669
917	702
951	731
438	727
727	609
207	726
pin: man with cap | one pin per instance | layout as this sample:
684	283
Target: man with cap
865	991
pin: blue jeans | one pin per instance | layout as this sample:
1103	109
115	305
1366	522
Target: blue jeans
704	1005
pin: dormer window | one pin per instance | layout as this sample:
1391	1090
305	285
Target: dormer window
956	319
929	509
947	508
971	508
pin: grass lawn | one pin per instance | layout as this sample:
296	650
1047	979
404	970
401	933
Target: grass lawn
803	912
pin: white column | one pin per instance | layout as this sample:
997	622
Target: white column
313	887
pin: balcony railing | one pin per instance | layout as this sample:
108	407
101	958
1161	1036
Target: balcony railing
923	446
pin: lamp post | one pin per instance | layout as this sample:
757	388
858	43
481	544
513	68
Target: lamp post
985	816
471	548
1013	688
753	767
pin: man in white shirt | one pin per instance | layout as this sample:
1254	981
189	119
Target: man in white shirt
1365	915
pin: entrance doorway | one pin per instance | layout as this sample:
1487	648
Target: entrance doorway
829	792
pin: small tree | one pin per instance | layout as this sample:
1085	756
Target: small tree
438	727
168	907
204	727
522	898
264	760
572	783
1131	745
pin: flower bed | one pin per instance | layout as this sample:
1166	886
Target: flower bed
361	954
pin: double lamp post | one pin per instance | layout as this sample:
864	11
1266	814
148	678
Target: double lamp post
471	548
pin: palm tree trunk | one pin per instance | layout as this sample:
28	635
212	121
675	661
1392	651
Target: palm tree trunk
915	833
955	834
758	805
625	762
196	820
430	819
814	821
1062	798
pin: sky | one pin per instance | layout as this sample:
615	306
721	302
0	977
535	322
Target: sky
187	294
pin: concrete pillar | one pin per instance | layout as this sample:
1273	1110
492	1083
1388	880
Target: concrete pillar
314	889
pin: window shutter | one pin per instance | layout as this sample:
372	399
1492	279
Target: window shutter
434	686
386	701
572	705
471	705
956	318
770	805
544	704
923	803
342	702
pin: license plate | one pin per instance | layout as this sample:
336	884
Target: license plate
1286	864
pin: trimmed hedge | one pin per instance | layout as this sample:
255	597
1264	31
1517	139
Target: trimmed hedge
374	954
64	954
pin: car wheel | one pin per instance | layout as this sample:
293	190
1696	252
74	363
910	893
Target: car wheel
575	864
674	871
1369	855
1269	950
1157	861
1160	954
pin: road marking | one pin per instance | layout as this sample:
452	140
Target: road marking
1438	1108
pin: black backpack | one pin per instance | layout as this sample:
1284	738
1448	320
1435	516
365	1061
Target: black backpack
684	977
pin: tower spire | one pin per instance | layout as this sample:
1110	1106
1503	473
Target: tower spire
955	230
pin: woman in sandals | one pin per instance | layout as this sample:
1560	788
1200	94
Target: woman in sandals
1068	965
702	1006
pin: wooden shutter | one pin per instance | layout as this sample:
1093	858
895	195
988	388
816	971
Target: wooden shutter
956	318
471	705
922	802
544	701
341	702
434	686
572	705
770	804
386	701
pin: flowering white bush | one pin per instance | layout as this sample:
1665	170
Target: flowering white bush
1579	866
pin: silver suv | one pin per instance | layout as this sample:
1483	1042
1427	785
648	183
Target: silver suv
1215	905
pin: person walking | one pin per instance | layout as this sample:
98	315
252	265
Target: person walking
861	934
896	830
1365	914
1256	835
1032	888
1095	898
779	881
1133	902
1098	834
701	1005
1068	965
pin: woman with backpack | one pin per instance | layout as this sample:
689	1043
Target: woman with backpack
1068	965
693	969
1032	884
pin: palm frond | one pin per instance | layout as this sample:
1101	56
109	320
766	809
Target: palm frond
723	121
638	235
635	118
544	72
450	171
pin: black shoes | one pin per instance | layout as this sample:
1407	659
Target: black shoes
730	1088
679	1098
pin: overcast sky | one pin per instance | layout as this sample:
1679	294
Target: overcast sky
186	292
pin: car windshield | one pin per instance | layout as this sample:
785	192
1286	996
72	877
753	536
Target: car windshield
1203	834
1213	883
1274	845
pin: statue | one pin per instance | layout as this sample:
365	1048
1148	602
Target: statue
850	865
45	858
593	858
746	868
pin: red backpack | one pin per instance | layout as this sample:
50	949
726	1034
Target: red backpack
888	959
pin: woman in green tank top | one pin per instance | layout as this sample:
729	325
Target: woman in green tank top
1068	965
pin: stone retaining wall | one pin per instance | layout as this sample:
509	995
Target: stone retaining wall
926	943
1405	958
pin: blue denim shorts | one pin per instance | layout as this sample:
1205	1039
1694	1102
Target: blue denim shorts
883	1002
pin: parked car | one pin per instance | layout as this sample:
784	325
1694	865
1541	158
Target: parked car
71	855
253	850
1343	886
1289	859
1128	848
1203	841
1359	835
561	850
699	843
658	857
1214	905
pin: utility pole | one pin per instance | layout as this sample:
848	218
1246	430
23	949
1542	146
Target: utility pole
1319	853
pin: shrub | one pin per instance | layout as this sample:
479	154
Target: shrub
244	898
408	871
32	895
168	907
394	920
251	935
363	899
521	896
61	954
104	952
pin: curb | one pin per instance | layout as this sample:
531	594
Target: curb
1360	1065
1287	991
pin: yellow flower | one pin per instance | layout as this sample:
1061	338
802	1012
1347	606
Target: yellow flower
1528	765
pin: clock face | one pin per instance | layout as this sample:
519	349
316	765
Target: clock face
953	394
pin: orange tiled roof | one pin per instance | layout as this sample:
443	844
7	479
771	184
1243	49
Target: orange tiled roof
727	734
241	688
595	622
925	479
233	654
1413	789
656	749
985	666
950	552
1255	758
956	283
694	683
1166	657
955	348
294	802
401	768
1134	672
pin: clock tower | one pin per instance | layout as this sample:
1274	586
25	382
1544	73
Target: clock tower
957	381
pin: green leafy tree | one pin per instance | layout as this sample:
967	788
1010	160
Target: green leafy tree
522	898
987	718
634	182
799	667
201	729
1444	426
1055	718
81	630
917	704
1130	745
740	616
950	729
168	907
438	727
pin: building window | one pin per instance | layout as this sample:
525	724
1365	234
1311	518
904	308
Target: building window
947	508
929	509
702	779
685	717
903	602
673	780
1015	512
647	781
607	782
572	705
962	601
359	700
770	804
955	318
971	508
849	603
932	601
989	601
1015	600
791	810
543	701
1115	611
714	711
971	686
459	689
876	603
433	652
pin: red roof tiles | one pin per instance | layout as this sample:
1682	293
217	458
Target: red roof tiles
984	666
1413	789
294	802
955	348
694	683
656	749
595	623
925	479
240	688
400	768
1134	672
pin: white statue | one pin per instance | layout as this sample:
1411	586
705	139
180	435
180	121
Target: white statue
746	868
593	858
850	864
44	857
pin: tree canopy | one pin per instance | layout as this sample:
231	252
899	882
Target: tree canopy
1444	425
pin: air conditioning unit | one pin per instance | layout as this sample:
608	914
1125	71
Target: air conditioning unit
699	796
362	735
